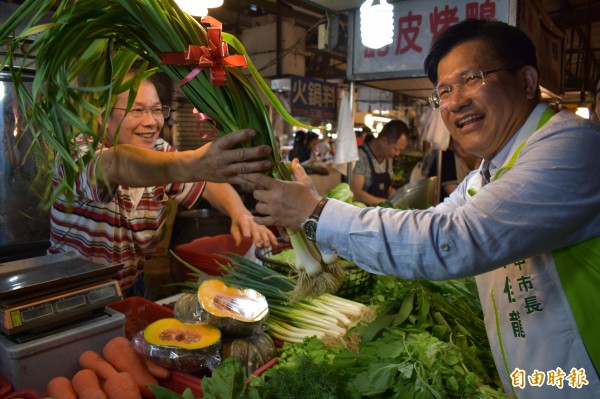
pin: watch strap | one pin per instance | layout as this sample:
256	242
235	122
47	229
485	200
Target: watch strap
319	208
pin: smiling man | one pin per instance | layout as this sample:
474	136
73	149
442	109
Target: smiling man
526	224
119	201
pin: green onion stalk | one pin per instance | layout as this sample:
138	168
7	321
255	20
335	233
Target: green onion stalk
84	57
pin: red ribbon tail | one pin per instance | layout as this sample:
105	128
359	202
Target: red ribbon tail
190	76
202	117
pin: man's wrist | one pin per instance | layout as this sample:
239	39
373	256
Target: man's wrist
310	224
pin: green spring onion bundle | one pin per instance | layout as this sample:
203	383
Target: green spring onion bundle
83	57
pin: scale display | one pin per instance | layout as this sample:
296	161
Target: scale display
19	317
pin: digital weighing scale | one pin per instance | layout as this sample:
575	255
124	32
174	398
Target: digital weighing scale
52	308
45	292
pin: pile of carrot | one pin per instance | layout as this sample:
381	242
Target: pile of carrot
118	373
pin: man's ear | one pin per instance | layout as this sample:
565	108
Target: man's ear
531	79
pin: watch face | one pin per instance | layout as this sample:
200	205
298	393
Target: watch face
310	229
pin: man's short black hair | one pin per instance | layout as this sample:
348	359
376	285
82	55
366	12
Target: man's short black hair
393	130
508	44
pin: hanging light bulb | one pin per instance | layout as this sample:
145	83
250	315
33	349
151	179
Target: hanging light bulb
211	3
196	8
376	24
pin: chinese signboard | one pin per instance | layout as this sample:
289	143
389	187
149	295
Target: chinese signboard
313	98
418	22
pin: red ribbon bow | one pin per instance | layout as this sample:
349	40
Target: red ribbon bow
214	56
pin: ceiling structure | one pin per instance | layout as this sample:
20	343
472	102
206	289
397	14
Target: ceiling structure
579	20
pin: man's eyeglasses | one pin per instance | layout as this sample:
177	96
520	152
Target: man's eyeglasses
156	112
470	83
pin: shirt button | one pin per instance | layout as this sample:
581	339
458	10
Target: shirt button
446	247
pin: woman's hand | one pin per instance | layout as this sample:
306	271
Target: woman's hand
244	226
224	161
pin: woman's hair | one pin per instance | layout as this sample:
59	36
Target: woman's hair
506	43
300	149
310	137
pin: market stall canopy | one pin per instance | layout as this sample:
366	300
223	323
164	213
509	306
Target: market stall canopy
419	22
579	20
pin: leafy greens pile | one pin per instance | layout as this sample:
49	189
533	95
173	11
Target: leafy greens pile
428	342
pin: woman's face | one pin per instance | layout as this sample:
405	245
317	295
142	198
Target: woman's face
140	131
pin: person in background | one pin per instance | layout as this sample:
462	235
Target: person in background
119	202
324	150
372	174
525	224
360	134
456	165
305	150
300	148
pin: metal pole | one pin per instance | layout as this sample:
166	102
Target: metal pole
351	101
439	176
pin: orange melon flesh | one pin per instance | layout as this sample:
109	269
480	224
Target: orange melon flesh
221	300
172	332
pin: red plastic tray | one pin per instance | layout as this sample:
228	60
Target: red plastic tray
180	381
24	394
5	387
206	253
139	313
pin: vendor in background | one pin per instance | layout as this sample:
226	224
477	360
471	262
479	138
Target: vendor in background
526	223
118	208
372	174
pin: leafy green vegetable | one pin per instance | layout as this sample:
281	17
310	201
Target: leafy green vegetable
304	378
165	393
228	381
341	192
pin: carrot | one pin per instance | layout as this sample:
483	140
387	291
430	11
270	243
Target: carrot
87	386
156	369
122	386
61	388
120	353
93	361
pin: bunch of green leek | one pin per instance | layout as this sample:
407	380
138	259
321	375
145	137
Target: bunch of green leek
83	56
